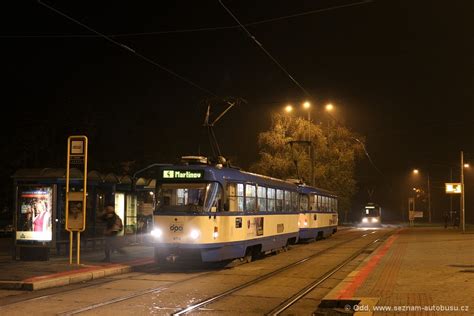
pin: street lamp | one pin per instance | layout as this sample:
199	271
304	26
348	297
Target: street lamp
416	171
307	107
329	107
289	108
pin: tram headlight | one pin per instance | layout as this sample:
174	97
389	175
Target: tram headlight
365	220
375	220
195	234
157	233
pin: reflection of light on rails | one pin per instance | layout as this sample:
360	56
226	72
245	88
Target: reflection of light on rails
369	228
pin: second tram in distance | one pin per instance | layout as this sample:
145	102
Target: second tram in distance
372	215
220	213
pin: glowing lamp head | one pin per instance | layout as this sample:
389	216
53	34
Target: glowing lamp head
306	105
365	220
329	107
288	108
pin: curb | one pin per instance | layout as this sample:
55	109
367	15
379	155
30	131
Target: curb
71	277
341	298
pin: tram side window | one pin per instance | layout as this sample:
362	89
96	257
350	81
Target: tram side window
262	198
250	197
325	203
335	205
303	202
181	195
279	200
319	205
312	202
271	200
294	201
287	207
235	199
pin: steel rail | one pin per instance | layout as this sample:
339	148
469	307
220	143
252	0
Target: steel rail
100	282
302	293
262	277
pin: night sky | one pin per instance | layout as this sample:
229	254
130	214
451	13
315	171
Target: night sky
398	72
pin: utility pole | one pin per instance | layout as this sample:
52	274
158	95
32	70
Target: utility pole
450	195
463	214
311	147
429	199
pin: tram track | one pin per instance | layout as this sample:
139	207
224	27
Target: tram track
164	288
47	293
269	275
285	305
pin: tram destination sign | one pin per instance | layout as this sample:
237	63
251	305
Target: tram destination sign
182	174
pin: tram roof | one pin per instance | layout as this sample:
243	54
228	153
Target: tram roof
214	173
308	190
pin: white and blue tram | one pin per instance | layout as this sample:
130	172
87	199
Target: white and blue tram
372	215
318	216
220	213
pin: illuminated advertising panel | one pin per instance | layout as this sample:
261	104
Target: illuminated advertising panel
35	205
453	188
120	208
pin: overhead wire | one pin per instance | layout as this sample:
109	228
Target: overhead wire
201	29
254	39
362	145
129	49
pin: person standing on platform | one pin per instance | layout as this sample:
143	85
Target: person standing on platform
446	219
113	225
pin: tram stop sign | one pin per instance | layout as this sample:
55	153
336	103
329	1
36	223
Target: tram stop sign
76	200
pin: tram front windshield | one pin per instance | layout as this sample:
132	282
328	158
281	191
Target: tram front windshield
370	212
189	197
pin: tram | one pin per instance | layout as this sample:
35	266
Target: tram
218	213
372	215
318	216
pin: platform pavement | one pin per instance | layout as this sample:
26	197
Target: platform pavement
418	271
35	275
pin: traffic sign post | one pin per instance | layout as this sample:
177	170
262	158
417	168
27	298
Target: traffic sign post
76	201
411	211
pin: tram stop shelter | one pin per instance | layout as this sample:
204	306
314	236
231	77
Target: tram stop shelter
39	217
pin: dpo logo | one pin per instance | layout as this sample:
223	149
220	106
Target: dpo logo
176	228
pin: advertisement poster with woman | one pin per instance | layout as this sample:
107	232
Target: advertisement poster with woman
35	213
